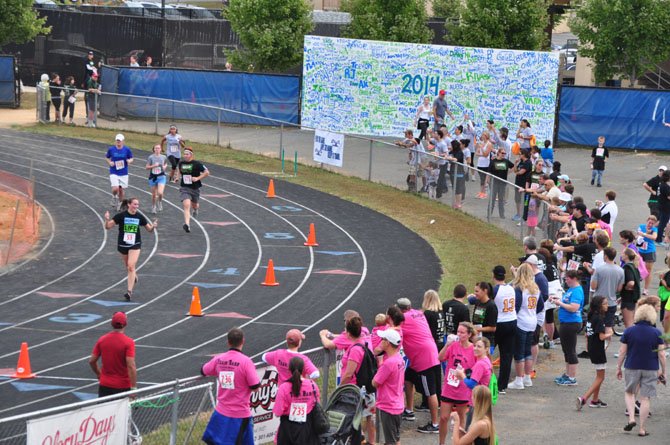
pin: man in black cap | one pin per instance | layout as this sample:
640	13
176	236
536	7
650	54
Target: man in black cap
117	350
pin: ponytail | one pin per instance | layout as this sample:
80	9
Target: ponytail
296	367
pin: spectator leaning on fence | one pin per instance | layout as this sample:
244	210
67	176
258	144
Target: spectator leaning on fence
281	357
118	373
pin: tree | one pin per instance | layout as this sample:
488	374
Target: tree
388	20
624	38
19	22
447	9
509	24
271	32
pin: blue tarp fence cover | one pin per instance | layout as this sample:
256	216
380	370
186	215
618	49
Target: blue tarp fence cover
628	118
7	82
261	95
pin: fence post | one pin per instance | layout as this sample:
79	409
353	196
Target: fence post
11	233
281	140
218	128
156	121
326	376
37	102
95	108
490	200
370	162
175	414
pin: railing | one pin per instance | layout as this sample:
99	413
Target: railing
658	78
19	217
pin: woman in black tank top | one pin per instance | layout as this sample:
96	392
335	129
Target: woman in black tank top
482	431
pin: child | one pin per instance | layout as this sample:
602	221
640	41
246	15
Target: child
380	325
433	177
547	154
534	154
598	156
411	144
595	333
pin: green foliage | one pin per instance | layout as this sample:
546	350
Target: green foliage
624	38
19	22
388	20
450	10
507	24
271	33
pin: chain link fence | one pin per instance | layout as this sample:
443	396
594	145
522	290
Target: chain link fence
19	217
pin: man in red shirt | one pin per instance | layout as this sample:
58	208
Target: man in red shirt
117	350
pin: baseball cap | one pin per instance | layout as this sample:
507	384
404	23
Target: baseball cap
565	178
442	93
565	196
119	320
532	259
294	336
499	272
404	303
120	137
663	167
390	335
90	53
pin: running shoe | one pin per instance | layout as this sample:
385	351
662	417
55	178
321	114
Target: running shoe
584	354
160	206
597	404
545	341
568	381
195	213
533	374
580	403
515	385
429	428
128	295
516	218
527	381
561	378
409	416
186	228
153	209
502	391
114	201
118	206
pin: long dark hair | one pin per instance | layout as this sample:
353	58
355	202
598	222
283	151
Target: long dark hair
296	366
596	307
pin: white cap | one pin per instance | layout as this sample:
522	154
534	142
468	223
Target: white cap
391	335
565	196
532	259
663	167
120	137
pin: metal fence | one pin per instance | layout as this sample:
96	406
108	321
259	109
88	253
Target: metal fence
19	216
174	413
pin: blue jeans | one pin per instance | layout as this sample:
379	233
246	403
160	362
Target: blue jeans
522	345
597	174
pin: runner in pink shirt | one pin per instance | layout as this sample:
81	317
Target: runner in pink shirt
281	357
236	378
390	381
481	370
455	393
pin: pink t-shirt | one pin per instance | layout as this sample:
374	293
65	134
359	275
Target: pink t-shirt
390	381
418	342
374	338
342	341
280	360
454	388
354	354
236	374
481	373
309	394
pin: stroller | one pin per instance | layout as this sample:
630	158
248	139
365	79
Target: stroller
344	411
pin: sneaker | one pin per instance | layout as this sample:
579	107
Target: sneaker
159	206
408	415
195	213
597	404
502	391
580	403
568	381
527	381
552	345
128	295
616	355
515	385
561	378
186	228
645	292
422	408
153	209
599	185
516	218
584	354
592	182
429	428
484	196
533	374
545	341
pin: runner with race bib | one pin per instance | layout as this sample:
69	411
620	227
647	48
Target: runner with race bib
119	157
192	172
173	150
156	164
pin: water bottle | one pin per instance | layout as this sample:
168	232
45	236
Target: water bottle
364	392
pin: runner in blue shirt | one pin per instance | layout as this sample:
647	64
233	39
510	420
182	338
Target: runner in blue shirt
119	157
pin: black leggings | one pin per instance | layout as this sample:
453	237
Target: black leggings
568	333
505	336
68	106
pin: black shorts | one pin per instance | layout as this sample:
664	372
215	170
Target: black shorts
427	382
107	391
549	316
124	250
454	401
609	316
630	305
173	162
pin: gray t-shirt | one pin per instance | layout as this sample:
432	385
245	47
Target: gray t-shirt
440	106
157	159
608	277
526	133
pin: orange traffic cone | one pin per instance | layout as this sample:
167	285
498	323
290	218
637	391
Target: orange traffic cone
270	275
23	370
196	309
311	237
271	189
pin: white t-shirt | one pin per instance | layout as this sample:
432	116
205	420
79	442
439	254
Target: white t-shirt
527	315
484	160
613	210
504	300
598	260
424	112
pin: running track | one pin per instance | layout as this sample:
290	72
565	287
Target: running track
61	301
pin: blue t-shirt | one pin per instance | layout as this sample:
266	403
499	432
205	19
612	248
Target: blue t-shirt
119	156
572	295
643	341
547	153
651	245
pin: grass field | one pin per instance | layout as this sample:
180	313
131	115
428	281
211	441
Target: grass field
467	248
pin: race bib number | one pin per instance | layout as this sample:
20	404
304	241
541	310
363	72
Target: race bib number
173	148
573	265
298	412
129	238
600	151
227	380
452	380
644	246
120	165
188	179
72	99
156	170
534	186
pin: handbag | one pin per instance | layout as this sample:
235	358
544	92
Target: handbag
320	423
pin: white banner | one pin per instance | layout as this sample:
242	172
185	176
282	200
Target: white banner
104	424
262	402
328	147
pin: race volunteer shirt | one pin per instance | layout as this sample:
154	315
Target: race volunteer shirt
280	360
235	375
156	159
120	157
390	381
129	228
295	407
499	168
188	171
173	142
418	342
114	348
486	315
454	313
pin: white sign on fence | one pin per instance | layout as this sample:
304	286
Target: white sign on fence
104	424
328	147
262	402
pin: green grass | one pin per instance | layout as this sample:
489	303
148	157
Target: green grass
467	248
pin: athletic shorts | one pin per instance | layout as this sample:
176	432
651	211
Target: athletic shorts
173	162
189	193
630	305
388	427
645	379
648	257
123	250
549	316
454	401
118	181
609	316
369	404
222	430
153	182
428	381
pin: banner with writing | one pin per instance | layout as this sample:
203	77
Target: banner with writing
106	423
262	402
375	88
328	147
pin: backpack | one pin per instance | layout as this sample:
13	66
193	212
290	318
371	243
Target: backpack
367	370
493	387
